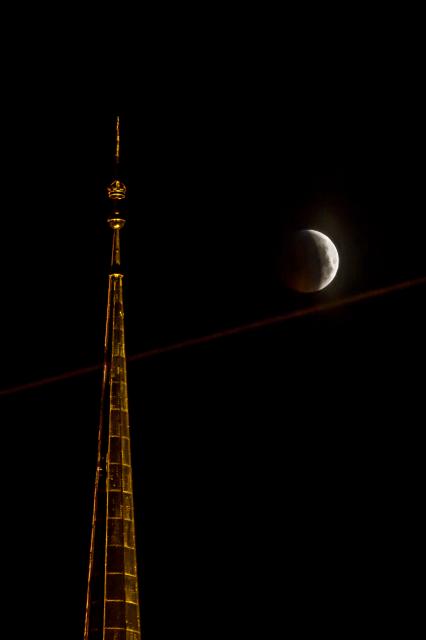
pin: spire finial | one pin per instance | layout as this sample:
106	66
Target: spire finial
116	192
117	139
117	189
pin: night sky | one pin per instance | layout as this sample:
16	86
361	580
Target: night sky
277	473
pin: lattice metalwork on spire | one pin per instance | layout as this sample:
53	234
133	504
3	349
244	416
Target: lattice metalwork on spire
112	606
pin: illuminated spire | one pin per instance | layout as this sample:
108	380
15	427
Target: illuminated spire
112	605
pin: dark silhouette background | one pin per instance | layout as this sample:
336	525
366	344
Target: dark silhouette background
277	472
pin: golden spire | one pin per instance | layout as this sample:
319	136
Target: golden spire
112	605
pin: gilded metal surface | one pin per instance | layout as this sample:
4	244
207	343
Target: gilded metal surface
112	605
116	256
116	222
112	611
117	190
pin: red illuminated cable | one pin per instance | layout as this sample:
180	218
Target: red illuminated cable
300	313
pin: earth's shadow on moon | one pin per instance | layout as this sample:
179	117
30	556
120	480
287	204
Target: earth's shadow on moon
309	261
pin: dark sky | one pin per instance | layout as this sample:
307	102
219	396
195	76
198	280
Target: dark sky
277	472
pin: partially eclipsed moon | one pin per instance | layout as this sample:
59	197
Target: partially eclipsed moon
311	261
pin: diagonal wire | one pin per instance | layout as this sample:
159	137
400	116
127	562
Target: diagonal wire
251	326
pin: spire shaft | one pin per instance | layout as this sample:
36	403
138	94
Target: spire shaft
112	607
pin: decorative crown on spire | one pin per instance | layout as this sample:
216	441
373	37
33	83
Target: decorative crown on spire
117	190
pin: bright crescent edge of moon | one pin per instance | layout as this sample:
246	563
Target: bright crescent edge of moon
331	252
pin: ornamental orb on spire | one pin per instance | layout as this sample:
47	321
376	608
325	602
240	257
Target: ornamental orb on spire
117	190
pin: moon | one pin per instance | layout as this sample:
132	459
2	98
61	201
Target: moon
310	261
